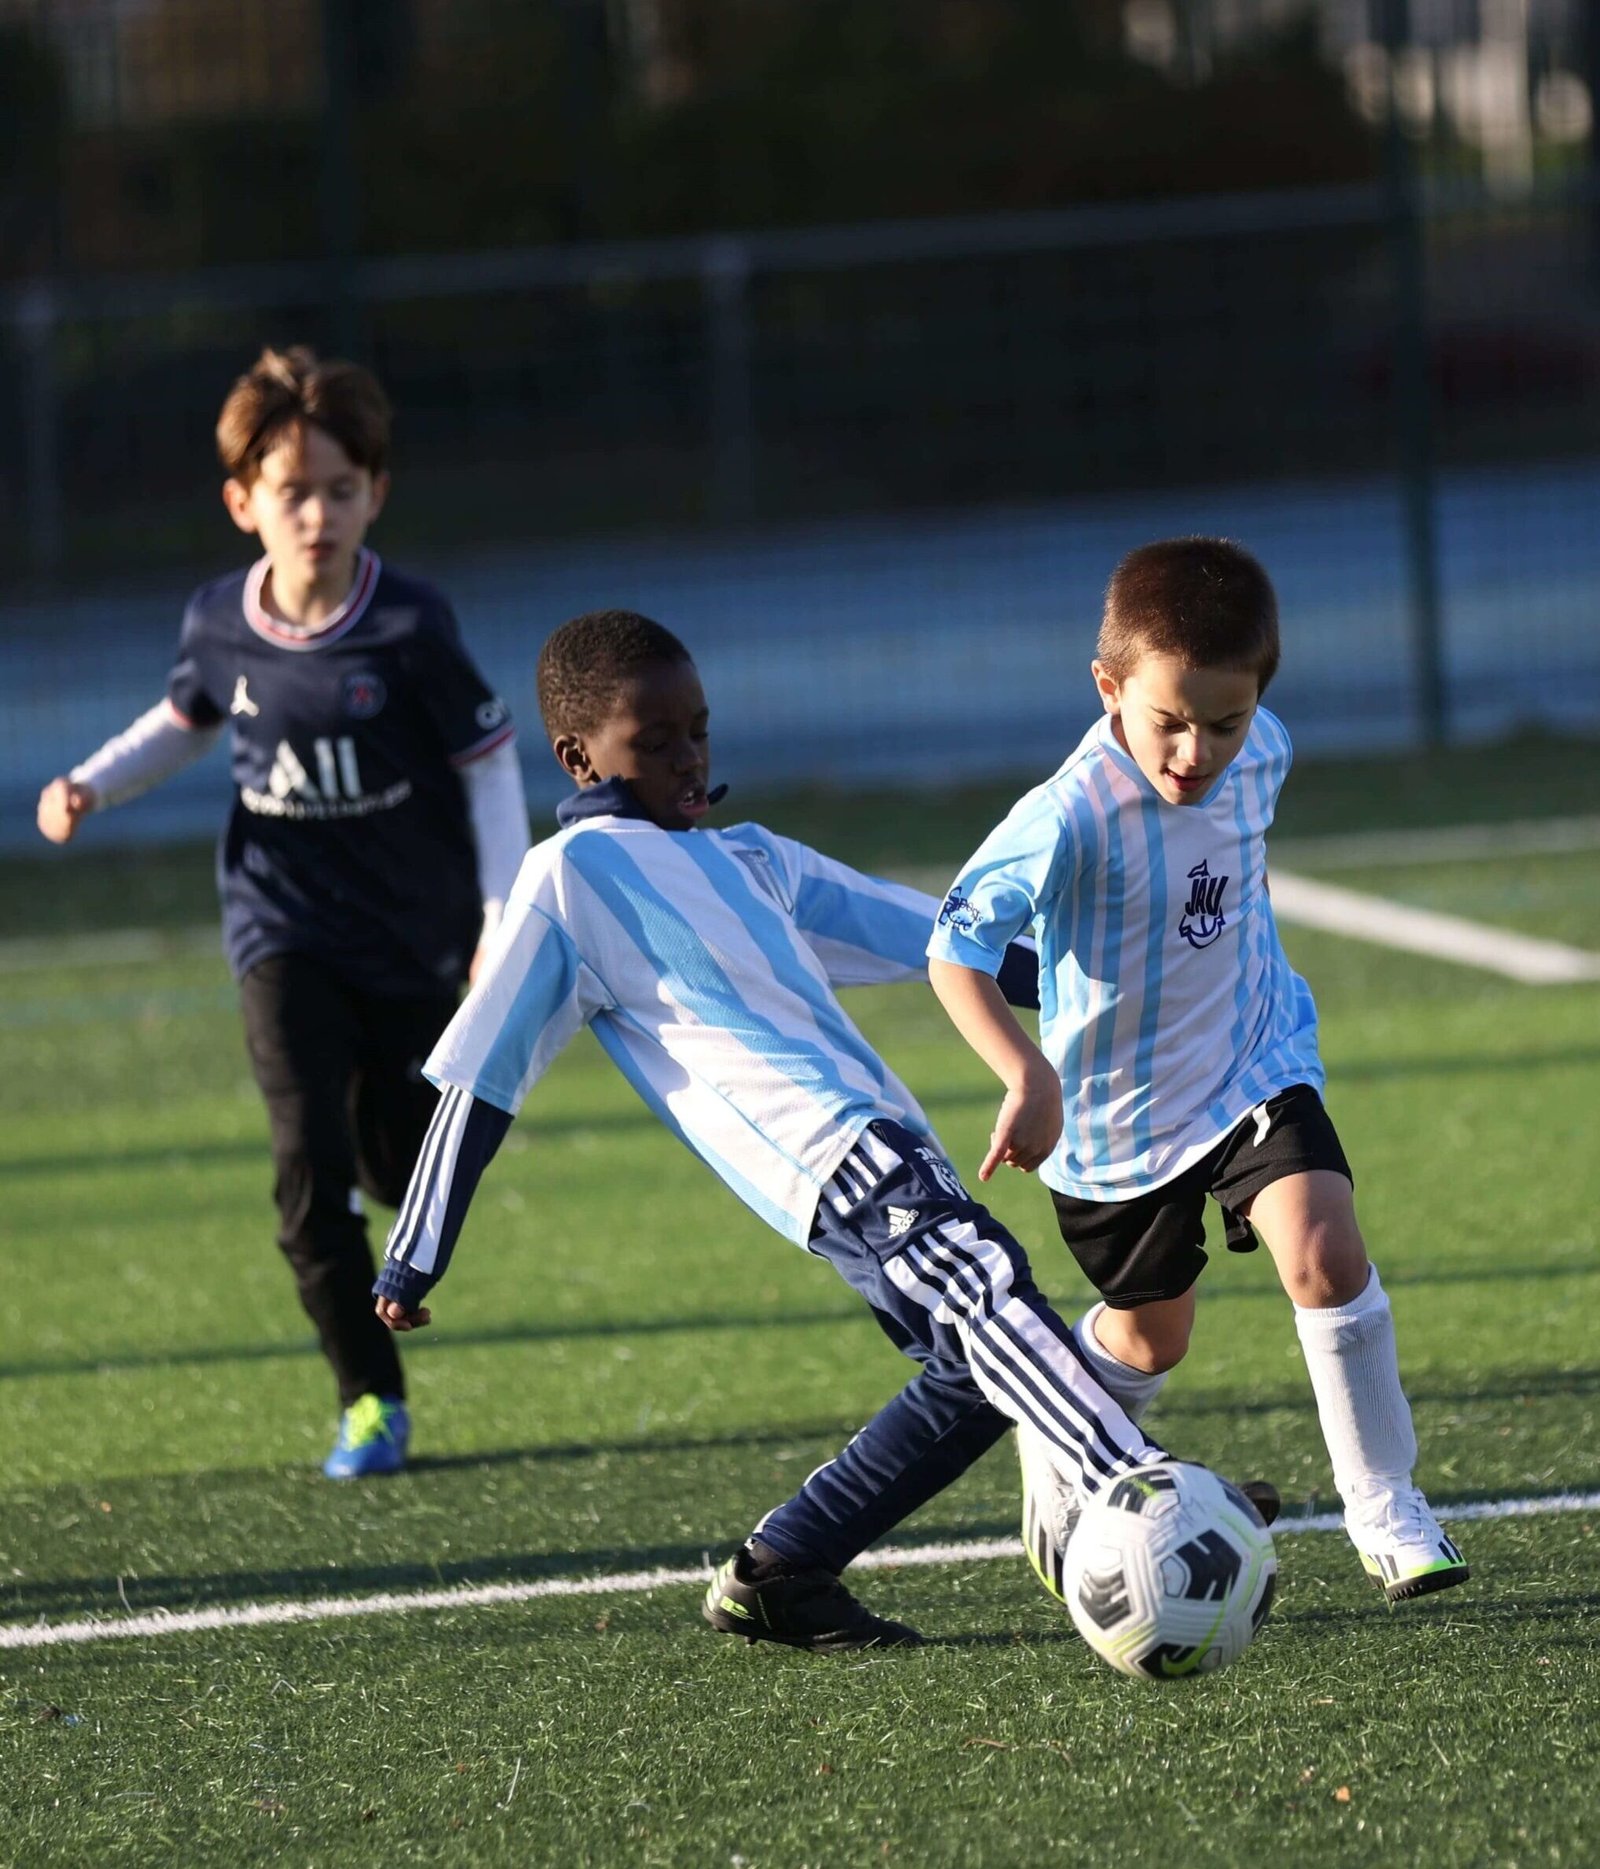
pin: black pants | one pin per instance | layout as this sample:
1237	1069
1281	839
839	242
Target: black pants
341	1074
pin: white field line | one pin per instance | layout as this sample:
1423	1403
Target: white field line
1446	843
631	1583
1363	917
1425	931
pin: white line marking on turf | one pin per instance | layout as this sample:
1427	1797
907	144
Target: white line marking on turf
1444	843
1363	917
1425	931
630	1583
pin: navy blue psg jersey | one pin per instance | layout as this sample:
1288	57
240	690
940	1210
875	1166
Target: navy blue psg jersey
349	838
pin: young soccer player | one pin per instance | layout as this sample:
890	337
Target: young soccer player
378	820
1179	1051
705	961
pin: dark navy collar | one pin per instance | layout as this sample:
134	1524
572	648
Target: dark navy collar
612	798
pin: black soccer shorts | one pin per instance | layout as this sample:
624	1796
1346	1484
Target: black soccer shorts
1152	1247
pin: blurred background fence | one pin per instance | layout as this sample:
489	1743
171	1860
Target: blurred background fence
875	467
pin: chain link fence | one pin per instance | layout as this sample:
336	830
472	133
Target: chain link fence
876	475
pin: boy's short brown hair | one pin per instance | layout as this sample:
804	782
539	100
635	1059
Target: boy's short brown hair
284	387
1205	602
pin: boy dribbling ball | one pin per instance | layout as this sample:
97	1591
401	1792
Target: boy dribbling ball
706	962
378	820
1178	1050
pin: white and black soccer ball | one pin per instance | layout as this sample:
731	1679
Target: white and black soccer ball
1169	1572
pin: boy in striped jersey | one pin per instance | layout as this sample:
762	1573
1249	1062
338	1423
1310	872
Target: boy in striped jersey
1177	1054
705	962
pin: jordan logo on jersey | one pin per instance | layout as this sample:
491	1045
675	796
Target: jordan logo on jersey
242	704
1203	919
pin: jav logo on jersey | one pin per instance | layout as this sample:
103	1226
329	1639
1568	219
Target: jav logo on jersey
1203	919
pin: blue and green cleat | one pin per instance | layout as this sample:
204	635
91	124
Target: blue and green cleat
373	1432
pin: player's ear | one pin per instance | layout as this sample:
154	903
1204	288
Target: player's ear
1110	688
236	497
380	492
572	758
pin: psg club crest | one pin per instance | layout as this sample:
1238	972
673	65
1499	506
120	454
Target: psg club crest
1203	919
364	694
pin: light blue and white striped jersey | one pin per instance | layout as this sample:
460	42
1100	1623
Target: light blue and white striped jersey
1167	1004
705	961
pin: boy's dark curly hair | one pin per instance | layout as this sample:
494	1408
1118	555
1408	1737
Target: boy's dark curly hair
585	663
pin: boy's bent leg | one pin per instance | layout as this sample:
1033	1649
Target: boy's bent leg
1143	1256
302	1039
1308	1222
1131	1349
394	1103
783	1584
914	1447
898	1225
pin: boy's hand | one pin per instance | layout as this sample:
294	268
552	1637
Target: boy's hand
1028	1126
61	804
398	1318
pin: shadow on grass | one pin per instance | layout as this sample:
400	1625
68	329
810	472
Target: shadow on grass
105	1595
578	1331
179	1592
612	1122
421	1341
1467	1605
1512	1387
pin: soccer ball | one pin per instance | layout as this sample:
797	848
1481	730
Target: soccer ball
1169	1572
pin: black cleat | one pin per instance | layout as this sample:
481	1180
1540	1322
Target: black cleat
799	1608
1263	1495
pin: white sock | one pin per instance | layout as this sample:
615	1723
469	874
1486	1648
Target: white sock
1134	1388
1355	1376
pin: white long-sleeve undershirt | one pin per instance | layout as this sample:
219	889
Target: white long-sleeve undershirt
155	747
497	807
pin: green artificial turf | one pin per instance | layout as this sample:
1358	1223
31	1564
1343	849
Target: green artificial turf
626	1369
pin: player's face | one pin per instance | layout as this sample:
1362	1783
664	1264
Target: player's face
658	738
1181	725
311	506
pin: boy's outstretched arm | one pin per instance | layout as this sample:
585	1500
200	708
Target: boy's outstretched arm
460	1143
869	931
1028	1126
157	745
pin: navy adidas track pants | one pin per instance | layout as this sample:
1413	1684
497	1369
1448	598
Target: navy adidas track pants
951	1288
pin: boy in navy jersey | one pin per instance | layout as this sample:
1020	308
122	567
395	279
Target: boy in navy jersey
377	823
1178	1050
705	963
